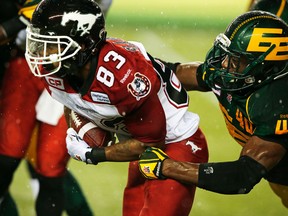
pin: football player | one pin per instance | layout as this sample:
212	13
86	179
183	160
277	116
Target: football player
247	70
19	95
122	89
277	7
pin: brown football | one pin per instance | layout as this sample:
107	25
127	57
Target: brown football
93	135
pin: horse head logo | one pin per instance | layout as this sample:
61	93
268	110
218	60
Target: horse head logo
84	21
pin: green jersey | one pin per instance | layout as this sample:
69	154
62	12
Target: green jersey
264	113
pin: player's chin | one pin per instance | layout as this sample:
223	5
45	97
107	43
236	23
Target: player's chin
50	67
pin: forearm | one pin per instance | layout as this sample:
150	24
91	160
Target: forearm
127	150
9	29
181	171
236	177
187	74
3	36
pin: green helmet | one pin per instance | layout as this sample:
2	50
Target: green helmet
277	7
256	39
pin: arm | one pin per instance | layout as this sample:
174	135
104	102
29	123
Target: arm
9	23
3	36
187	74
9	28
127	150
257	157
141	124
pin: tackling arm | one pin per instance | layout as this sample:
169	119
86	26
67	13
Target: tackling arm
257	158
236	177
227	178
188	76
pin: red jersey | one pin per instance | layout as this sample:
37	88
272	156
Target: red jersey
130	93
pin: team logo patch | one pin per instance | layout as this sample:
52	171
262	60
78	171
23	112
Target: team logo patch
55	82
194	147
140	86
84	21
146	169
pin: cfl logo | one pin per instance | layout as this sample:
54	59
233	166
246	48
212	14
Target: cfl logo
55	82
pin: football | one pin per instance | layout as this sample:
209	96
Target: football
93	135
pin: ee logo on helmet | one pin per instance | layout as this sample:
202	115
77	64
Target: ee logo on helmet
258	41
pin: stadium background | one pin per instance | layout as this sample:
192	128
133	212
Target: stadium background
183	32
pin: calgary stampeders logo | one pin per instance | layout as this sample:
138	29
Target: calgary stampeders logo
140	86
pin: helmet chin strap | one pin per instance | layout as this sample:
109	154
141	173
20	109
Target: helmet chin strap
85	55
69	67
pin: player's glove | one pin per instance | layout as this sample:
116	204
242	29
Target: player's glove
151	162
77	148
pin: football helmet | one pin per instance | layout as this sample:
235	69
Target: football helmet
277	7
62	36
252	51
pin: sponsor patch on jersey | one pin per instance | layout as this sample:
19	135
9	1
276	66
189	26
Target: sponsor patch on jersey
55	82
140	86
100	97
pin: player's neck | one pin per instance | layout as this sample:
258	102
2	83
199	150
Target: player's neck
84	72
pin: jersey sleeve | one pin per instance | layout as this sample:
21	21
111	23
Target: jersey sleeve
267	110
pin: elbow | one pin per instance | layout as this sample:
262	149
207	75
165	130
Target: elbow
247	186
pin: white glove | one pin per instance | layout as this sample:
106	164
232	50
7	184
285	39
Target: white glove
76	147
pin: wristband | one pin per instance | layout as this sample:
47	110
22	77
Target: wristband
95	156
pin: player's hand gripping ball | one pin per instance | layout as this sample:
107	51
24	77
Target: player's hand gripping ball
77	148
93	135
151	162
